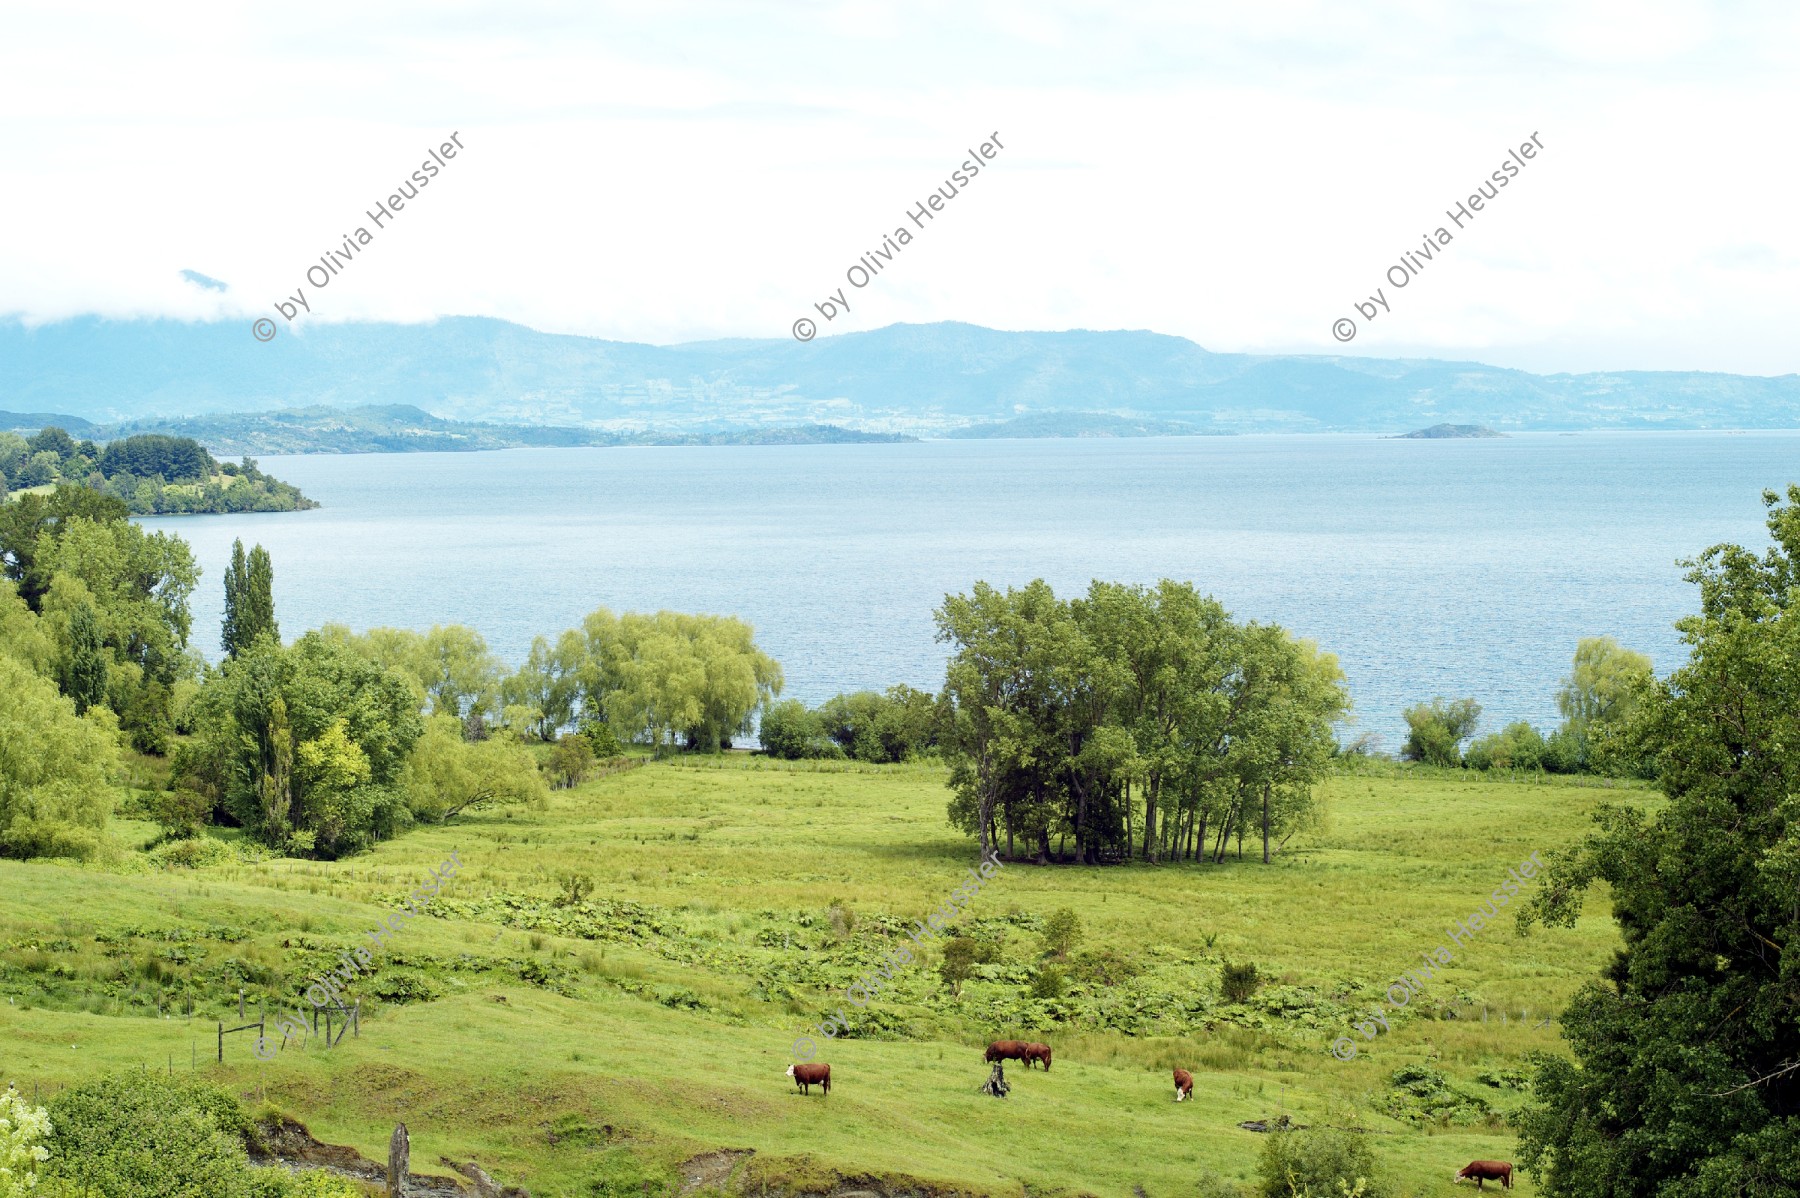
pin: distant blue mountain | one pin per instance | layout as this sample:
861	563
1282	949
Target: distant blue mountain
920	379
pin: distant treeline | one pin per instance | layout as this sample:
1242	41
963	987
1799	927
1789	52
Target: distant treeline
402	428
151	473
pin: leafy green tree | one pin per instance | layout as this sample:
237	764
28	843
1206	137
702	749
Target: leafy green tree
673	678
1436	730
55	768
305	744
52	440
790	731
156	455
571	760
27	520
1058	712
1598	697
83	669
249	599
549	682
1685	1078
23	636
446	775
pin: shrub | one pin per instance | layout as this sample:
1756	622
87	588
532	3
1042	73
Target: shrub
1437	729
401	986
181	812
1318	1163
1238	982
1048	982
961	955
843	919
790	731
140	1135
1062	931
601	739
575	888
571	760
1423	1095
1518	746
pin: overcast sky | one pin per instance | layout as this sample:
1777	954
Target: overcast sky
1238	174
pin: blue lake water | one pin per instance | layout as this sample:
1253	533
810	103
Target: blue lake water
1428	567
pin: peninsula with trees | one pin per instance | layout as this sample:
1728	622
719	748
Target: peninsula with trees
152	474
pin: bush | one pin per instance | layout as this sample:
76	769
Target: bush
575	888
571	760
601	739
791	732
1048	982
1518	746
401	986
180	812
142	1135
1238	982
1317	1163
1437	729
961	955
1062	931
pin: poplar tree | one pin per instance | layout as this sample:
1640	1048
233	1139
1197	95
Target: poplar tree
249	600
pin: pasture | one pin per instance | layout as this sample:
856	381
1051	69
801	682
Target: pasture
589	1043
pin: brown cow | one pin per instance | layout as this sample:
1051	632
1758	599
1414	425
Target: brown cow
805	1075
1500	1171
1039	1053
1007	1050
1184	1084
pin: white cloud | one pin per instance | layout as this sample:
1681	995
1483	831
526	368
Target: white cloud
1237	175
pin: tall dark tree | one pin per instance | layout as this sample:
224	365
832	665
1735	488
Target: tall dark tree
249	600
82	674
1686	1077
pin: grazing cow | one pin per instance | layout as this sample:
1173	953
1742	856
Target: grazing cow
1184	1084
1039	1053
1007	1050
1500	1171
805	1075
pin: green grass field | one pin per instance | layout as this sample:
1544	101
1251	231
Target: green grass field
558	1044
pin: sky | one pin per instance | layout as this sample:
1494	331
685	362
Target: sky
1240	175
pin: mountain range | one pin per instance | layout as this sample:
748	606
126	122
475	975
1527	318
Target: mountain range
927	380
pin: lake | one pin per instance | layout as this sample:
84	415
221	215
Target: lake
1452	567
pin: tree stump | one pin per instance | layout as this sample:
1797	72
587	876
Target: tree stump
996	1082
399	1162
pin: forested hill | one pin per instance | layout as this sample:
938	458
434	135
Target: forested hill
152	474
917	379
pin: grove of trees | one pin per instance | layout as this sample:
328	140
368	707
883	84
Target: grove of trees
1133	720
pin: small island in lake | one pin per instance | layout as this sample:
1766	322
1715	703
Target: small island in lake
1438	432
154	475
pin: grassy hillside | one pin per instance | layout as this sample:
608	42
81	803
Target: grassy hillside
656	1024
